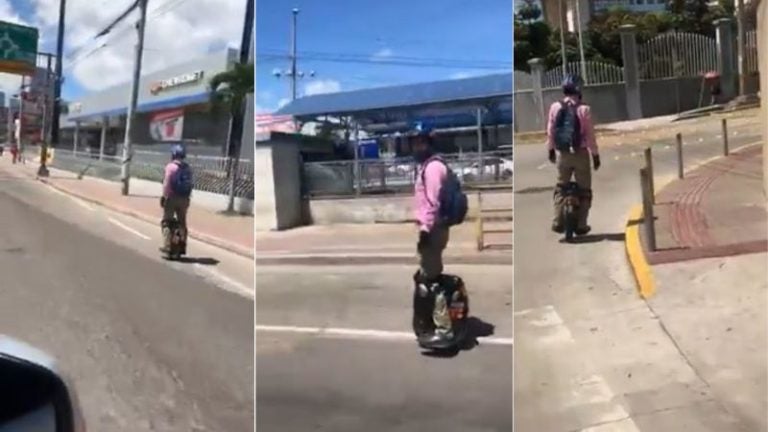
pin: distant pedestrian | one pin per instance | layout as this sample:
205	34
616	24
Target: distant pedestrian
177	192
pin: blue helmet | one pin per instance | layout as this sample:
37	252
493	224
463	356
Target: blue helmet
178	152
423	129
572	85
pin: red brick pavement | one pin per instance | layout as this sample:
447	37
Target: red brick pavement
718	209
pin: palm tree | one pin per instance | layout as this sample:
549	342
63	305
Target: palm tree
229	91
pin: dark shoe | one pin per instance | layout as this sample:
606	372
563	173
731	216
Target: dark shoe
583	231
559	229
437	340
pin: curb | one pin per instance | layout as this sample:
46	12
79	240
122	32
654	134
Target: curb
636	255
405	259
211	240
641	267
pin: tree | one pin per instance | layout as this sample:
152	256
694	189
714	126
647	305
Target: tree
229	91
531	35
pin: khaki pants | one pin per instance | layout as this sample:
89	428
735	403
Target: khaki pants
431	267
579	167
175	207
431	256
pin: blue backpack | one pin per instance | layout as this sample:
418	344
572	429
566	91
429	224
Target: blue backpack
453	201
567	134
182	183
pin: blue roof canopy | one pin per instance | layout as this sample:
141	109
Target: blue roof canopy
404	100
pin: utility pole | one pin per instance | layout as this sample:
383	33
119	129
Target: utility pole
741	46
59	77
293	54
237	121
581	42
562	38
48	118
125	174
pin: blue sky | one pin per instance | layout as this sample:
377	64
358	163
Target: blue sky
468	37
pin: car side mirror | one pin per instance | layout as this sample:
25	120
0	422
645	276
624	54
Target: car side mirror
33	396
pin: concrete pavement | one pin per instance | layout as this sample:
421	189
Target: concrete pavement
589	354
366	372
150	345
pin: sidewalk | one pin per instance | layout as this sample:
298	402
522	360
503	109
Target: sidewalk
233	233
718	209
711	279
372	243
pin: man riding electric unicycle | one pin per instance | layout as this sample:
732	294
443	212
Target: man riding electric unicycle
440	303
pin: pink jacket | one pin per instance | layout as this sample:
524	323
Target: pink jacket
588	140
170	171
427	192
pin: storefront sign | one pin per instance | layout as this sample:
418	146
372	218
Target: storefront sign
180	80
167	125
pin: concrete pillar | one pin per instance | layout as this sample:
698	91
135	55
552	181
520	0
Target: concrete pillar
103	142
76	139
727	58
537	73
762	61
631	71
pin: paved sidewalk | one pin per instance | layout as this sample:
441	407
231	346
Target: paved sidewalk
374	243
712	277
233	233
718	209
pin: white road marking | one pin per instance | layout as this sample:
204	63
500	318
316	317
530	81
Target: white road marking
77	201
225	282
129	229
542	166
363	333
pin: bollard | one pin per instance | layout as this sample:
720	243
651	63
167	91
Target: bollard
480	240
649	167
725	137
679	155
648	216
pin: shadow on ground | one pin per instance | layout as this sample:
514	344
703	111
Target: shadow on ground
476	328
201	261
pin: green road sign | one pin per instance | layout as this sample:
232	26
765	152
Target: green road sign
18	48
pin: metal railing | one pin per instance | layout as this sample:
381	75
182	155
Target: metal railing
388	176
677	55
210	172
596	73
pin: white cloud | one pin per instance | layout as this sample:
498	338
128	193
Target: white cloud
177	30
462	75
382	54
282	102
322	86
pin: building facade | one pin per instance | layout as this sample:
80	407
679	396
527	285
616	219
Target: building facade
173	107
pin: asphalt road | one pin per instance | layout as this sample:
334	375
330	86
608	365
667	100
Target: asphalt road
150	345
588	352
365	371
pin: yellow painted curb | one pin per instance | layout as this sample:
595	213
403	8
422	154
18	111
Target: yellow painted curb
640	267
636	255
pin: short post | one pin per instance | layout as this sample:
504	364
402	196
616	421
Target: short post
679	155
648	217
725	137
480	242
649	167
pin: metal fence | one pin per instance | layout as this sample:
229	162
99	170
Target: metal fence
677	55
593	73
750	52
210	172
389	176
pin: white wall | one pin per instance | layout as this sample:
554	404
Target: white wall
265	211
